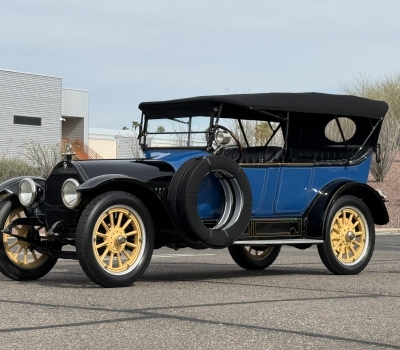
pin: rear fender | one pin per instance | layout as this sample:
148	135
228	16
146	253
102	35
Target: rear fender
369	196
320	206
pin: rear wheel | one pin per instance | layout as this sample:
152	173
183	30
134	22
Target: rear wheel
115	239
18	259
254	257
349	237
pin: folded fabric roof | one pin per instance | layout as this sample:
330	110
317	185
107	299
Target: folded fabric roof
245	105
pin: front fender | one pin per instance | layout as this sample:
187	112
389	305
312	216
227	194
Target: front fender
12	185
103	180
164	223
320	206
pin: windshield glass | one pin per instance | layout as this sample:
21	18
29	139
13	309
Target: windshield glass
193	132
177	132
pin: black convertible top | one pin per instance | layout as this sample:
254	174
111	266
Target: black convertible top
245	105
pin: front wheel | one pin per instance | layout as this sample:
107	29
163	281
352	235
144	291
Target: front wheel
115	239
18	258
254	257
349	237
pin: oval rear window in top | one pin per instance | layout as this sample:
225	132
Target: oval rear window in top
332	131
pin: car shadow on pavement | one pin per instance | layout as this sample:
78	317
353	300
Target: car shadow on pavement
70	275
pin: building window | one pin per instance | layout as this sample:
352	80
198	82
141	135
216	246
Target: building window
18	119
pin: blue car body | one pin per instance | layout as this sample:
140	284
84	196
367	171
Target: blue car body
277	189
249	172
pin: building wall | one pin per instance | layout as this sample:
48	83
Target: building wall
128	147
75	111
123	147
107	148
126	143
28	95
73	128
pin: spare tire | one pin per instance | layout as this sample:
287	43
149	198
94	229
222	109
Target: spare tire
236	213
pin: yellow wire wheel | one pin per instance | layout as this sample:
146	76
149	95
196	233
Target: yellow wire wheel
119	239
349	235
257	253
115	239
254	257
18	250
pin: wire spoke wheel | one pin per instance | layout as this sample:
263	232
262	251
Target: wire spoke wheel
117	239
19	251
257	253
254	257
18	258
349	235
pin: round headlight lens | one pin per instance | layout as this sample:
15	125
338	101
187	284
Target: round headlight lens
27	192
69	196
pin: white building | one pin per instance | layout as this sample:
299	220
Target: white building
37	107
114	143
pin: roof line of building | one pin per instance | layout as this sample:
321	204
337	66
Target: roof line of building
27	73
75	89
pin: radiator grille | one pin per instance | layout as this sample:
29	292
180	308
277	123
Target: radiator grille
53	187
161	188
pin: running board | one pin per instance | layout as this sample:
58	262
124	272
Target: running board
280	241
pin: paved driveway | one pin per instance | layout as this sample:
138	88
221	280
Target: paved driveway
202	300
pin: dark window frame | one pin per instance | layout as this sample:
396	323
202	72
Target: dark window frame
30	121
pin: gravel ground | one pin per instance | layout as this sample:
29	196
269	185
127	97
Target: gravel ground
391	189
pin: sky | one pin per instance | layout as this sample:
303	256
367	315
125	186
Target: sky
127	52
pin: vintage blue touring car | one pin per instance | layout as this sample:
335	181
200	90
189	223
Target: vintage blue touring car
249	172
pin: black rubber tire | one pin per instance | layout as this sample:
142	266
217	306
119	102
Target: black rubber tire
240	257
182	200
9	268
172	197
325	249
84	239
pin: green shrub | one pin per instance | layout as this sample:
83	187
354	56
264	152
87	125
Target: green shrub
12	166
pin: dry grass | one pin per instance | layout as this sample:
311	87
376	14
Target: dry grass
12	167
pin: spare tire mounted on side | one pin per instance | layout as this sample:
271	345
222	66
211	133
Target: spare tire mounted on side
237	204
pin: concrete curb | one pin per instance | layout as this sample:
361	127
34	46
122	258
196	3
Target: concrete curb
387	231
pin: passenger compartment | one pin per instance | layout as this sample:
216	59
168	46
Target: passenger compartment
328	154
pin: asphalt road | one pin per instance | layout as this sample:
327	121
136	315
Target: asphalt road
201	300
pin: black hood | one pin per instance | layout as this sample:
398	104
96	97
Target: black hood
143	170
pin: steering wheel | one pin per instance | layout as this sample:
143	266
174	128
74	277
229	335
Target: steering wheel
240	148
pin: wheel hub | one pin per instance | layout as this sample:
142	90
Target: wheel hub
121	239
350	235
117	240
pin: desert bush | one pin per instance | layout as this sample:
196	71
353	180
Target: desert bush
386	89
12	167
43	157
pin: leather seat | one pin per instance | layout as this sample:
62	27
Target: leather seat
328	153
258	154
